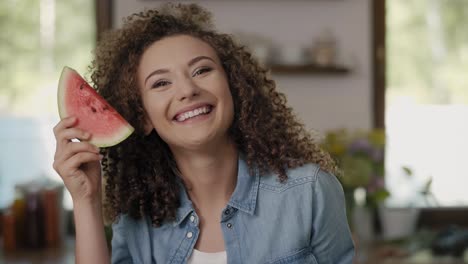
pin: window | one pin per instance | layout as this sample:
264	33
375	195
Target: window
427	101
38	38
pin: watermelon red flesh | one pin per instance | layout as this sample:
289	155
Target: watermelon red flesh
76	98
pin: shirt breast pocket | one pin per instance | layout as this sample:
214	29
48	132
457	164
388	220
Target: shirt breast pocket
302	256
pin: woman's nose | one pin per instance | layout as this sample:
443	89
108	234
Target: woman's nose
187	89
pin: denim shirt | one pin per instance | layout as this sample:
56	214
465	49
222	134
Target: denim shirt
300	221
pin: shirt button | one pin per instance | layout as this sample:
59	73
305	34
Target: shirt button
229	225
189	235
192	218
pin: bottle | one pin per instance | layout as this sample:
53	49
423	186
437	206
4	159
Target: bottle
9	237
19	211
34	220
51	217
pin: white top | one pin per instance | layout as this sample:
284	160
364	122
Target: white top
199	257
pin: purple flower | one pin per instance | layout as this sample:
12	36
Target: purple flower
360	145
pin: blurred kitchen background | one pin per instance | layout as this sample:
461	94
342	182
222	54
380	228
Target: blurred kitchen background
382	83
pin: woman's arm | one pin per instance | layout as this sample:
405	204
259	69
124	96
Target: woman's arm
331	238
91	246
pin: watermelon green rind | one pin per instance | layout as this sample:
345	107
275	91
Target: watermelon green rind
120	136
61	91
117	134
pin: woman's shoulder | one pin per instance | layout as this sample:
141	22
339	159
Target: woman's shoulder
308	173
125	221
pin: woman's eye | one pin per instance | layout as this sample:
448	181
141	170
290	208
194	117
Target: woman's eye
159	84
201	71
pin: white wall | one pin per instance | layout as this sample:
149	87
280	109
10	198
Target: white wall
321	102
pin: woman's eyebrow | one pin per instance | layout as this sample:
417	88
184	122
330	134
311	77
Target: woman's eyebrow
199	58
160	71
190	63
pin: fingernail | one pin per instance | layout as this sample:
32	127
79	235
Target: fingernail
101	156
86	134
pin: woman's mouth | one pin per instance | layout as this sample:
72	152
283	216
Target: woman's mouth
200	111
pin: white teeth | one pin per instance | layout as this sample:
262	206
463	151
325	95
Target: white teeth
193	113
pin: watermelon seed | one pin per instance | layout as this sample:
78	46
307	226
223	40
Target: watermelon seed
93	109
105	108
81	86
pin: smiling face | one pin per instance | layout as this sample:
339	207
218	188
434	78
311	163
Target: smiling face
185	92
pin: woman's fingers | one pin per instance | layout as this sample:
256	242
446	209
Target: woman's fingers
64	138
67	122
64	132
73	148
68	134
69	167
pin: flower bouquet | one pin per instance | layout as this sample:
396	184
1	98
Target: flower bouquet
360	158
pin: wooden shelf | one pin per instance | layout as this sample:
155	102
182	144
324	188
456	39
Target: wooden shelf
308	69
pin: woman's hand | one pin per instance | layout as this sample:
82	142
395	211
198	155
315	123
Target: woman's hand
77	163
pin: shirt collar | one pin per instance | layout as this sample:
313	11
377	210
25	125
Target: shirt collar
185	207
244	197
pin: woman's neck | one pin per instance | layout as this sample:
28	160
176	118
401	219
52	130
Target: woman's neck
210	176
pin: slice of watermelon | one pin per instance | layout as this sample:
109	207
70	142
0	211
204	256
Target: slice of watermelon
77	98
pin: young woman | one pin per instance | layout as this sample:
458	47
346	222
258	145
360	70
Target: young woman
218	170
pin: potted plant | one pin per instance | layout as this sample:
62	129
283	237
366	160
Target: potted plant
360	158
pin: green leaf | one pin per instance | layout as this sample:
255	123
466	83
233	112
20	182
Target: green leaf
407	170
427	187
379	196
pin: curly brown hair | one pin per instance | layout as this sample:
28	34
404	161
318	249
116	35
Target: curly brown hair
140	179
